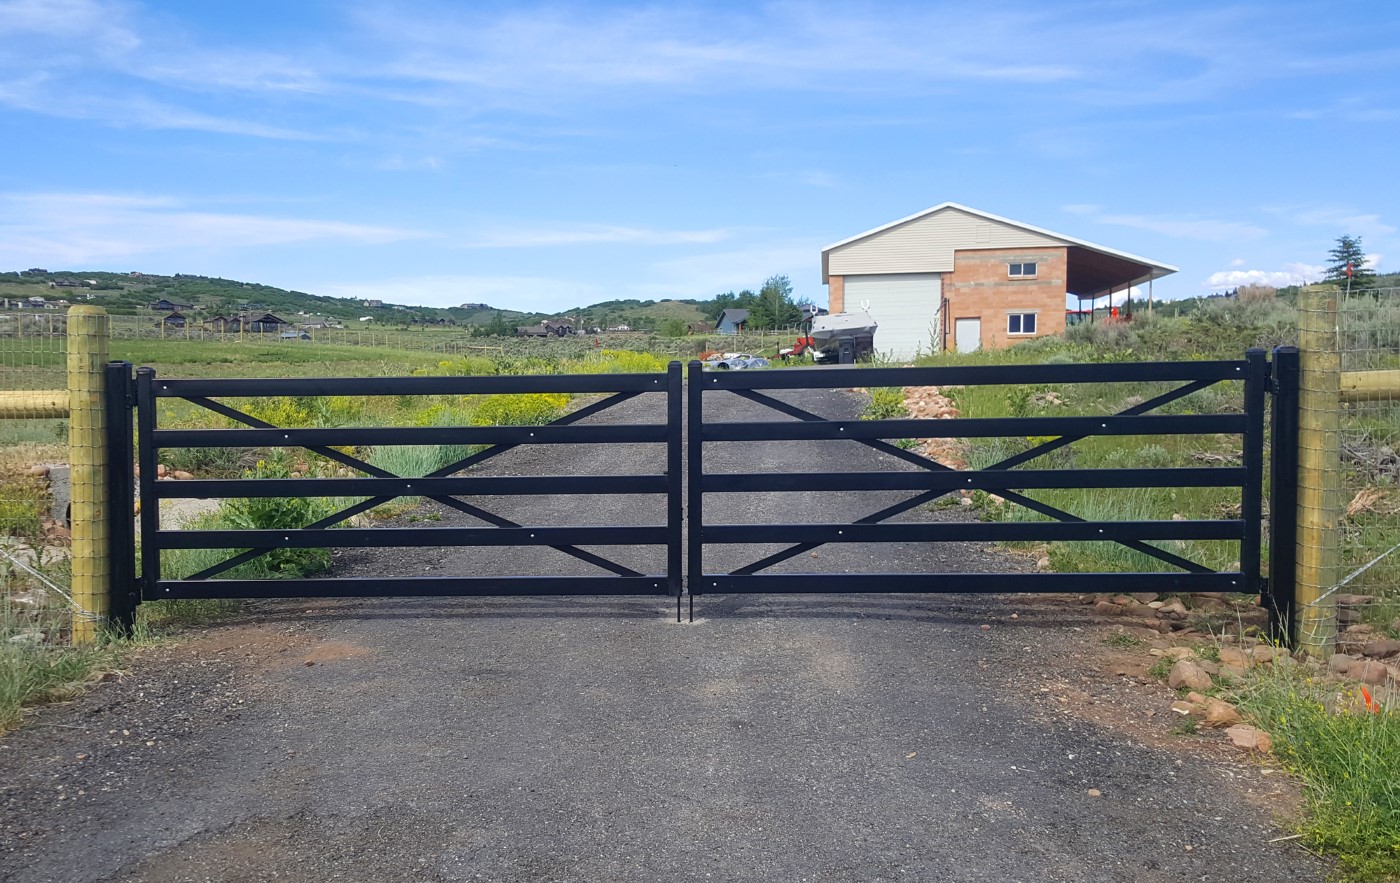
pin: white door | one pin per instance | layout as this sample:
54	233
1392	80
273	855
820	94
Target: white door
904	306
968	334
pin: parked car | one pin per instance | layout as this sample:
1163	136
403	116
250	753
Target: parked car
735	362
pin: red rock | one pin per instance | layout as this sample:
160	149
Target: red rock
1382	648
1250	738
1368	671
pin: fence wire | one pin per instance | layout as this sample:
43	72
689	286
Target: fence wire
1365	491
35	571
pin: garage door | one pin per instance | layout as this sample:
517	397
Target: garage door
905	306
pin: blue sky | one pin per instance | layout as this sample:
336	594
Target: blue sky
542	156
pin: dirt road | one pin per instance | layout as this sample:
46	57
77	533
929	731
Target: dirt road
874	738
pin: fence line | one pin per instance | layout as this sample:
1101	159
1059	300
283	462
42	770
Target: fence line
1349	468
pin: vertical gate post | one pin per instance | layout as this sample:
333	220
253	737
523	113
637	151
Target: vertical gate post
121	497
88	331
1283	498
147	461
1256	385
695	520
1319	470
674	513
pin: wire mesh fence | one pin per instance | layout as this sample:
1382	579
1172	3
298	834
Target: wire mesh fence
35	560
1349	539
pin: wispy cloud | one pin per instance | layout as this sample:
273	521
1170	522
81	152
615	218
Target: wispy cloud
592	235
1340	219
514	292
75	229
1204	229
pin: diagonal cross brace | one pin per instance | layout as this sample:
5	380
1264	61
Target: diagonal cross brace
929	496
366	505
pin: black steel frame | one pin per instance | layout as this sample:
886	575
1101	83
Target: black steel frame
444	485
935	480
1280	377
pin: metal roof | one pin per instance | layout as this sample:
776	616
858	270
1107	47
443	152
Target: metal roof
1155	269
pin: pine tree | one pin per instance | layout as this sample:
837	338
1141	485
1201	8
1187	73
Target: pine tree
1348	252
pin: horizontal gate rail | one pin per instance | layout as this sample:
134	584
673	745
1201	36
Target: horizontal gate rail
748	482
443	485
415	587
934	480
982	375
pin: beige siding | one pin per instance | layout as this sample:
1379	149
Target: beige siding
926	245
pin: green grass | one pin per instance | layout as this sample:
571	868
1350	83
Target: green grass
1348	760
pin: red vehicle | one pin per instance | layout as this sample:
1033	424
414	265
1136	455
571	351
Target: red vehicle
803	345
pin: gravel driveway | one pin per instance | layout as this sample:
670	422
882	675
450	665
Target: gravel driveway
851	738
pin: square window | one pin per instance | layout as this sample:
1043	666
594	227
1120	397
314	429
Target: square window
1020	323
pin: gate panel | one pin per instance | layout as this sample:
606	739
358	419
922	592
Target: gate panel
445	486
934	480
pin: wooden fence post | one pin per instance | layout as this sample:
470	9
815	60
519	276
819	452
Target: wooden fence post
88	332
1319	470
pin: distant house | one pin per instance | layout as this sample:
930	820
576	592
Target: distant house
699	328
65	283
165	306
36	302
295	335
732	321
222	324
174	320
374	304
266	323
476	307
547	328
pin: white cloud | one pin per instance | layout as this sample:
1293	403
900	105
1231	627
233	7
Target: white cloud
86	228
1238	262
592	235
525	293
1292	274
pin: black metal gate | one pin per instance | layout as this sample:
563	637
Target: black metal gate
933	480
377	486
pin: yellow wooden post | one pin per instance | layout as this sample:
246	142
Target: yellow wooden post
1319	470
87	458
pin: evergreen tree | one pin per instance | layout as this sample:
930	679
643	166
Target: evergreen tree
773	307
1348	252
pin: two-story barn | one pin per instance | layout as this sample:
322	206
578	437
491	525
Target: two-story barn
955	276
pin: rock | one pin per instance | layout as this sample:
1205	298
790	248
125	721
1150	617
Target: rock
38	471
161	470
1209	667
1144	597
1197	698
32	637
1220	713
1348	614
1107	608
1263	653
1368	671
1179	653
1250	738
1187	674
1339	663
1185	708
1283	660
1122	600
1042	563
1156	605
1345	600
1381	649
1235	659
181	475
1174	607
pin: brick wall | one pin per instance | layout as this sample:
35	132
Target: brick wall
980	287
